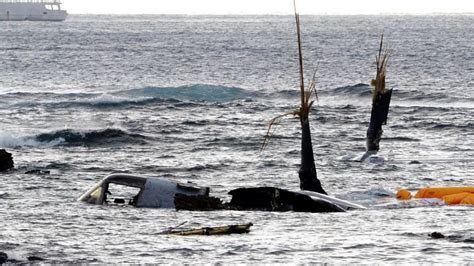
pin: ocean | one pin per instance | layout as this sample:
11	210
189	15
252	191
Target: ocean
190	98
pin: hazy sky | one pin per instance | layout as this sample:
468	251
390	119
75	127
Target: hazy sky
267	6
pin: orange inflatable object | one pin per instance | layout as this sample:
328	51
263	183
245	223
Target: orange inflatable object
455	198
403	194
441	192
469	200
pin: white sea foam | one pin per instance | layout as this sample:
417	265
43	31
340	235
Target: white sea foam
113	99
9	140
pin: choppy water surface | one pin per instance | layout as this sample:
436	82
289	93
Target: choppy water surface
189	98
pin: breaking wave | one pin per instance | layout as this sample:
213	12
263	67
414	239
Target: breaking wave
360	89
107	100
100	137
70	137
198	93
11	141
193	93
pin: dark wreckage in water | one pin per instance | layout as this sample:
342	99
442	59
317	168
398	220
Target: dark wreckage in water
162	193
380	105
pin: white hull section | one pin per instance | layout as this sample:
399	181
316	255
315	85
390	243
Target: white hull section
346	205
30	11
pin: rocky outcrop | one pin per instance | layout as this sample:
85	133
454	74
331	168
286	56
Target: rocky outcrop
6	160
3	258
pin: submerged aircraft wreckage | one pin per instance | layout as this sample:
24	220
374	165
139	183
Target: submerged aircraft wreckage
161	193
380	104
151	192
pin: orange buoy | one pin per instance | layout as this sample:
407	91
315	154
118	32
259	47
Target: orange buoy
441	192
455	198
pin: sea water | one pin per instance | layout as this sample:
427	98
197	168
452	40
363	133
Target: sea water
189	98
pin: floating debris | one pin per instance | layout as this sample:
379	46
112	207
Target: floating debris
436	235
209	231
438	196
35	258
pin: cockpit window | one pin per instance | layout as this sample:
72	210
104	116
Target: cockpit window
120	194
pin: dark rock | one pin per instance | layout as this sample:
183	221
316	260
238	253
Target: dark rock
436	235
414	162
35	258
3	257
197	203
276	199
6	160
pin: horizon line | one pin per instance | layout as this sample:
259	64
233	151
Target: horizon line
281	14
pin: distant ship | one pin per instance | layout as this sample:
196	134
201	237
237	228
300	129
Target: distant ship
33	10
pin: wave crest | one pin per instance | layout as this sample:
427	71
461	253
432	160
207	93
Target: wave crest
360	89
93	137
193	93
197	94
70	137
